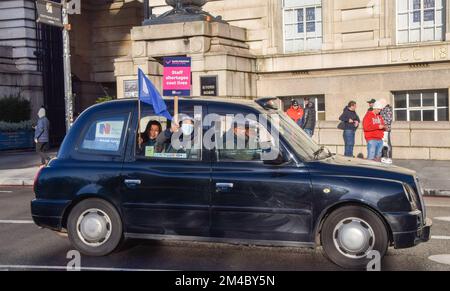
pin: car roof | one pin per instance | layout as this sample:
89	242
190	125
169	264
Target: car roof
219	100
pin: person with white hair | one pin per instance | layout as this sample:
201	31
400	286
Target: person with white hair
374	128
388	115
41	136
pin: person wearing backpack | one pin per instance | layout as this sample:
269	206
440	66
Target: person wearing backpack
349	124
388	116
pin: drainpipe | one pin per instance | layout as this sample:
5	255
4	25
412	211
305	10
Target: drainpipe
147	10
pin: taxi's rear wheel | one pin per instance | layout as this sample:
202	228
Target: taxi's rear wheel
94	227
350	235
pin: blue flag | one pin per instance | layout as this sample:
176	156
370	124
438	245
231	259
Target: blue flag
148	94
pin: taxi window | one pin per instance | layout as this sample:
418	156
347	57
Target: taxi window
156	141
105	135
242	142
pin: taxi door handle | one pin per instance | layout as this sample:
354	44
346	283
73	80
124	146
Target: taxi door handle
224	187
132	183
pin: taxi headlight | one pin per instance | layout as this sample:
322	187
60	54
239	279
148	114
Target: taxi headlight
420	195
410	195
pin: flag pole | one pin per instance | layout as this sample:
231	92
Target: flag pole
139	123
139	110
175	109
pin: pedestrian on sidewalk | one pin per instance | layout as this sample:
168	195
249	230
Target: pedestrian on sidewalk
374	128
387	114
309	118
349	124
295	112
41	136
371	102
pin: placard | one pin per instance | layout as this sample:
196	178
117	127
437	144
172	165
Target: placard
177	76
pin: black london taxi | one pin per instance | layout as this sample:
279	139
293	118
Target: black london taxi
118	176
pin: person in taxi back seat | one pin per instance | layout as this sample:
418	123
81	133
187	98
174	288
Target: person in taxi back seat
148	138
242	149
164	140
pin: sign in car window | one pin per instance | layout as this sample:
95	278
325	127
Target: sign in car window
151	153
105	135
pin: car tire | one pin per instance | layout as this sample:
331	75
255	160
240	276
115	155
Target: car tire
94	227
350	233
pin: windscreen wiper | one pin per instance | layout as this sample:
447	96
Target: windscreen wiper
318	152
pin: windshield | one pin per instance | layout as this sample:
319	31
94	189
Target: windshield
301	143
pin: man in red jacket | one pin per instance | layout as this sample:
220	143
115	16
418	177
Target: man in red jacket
374	128
296	112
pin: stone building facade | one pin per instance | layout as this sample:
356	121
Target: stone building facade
19	74
332	51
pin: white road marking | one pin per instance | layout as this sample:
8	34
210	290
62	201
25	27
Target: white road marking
6	191
447	219
16	221
441	259
38	267
441	237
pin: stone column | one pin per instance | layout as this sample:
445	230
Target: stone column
328	24
447	20
275	26
388	21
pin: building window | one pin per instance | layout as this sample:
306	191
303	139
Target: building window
420	20
430	105
319	103
302	25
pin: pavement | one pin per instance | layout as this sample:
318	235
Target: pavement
19	169
24	246
434	175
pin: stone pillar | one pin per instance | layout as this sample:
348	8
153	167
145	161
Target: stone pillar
388	22
216	48
328	24
19	75
275	27
447	20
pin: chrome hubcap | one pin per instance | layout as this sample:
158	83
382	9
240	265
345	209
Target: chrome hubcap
94	227
354	237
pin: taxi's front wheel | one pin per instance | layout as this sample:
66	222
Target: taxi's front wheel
94	227
354	236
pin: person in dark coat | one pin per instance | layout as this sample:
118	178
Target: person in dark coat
42	136
240	148
185	130
309	118
351	123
